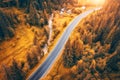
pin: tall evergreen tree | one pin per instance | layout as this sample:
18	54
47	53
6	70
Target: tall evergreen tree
16	72
7	73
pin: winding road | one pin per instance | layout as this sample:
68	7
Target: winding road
42	70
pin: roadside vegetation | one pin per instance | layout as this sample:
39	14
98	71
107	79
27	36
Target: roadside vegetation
93	49
24	33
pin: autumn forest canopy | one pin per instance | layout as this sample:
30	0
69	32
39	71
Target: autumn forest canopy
30	29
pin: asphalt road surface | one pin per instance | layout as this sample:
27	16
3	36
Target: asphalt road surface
42	70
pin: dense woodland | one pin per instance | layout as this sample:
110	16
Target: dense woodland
95	53
30	14
36	13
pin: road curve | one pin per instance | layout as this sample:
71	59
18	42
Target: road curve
42	70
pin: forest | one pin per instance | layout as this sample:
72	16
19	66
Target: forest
91	53
23	35
93	49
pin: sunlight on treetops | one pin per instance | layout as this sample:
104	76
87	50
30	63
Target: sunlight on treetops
93	2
